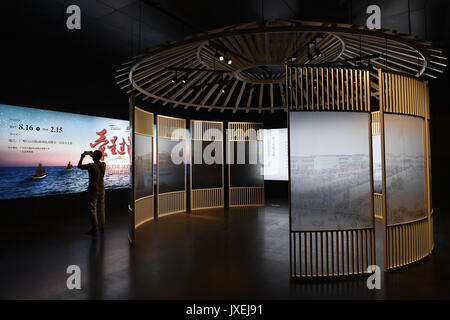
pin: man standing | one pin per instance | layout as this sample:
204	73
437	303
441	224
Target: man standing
96	189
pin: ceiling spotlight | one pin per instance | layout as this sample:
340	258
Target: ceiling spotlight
228	61
221	57
184	78
173	80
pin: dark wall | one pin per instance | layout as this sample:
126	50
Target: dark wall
428	20
45	65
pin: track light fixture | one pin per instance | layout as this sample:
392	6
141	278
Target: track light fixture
222	58
175	80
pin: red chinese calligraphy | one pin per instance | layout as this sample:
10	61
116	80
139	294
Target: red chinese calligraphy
113	146
101	141
122	147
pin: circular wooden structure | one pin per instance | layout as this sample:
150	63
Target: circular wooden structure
188	73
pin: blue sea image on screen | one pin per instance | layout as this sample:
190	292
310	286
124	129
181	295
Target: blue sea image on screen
29	136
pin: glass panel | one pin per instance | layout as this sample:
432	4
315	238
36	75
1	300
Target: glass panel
405	174
206	175
329	170
143	165
246	169
376	156
171	175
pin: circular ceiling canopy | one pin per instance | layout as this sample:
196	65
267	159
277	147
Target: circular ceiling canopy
242	67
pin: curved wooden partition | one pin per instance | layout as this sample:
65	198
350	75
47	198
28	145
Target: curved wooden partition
328	253
207	180
171	183
143	162
246	188
409	240
332	250
142	186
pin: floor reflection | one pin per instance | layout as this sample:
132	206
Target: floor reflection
240	253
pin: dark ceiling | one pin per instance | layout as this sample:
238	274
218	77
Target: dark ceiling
46	65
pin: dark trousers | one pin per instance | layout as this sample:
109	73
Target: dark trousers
96	207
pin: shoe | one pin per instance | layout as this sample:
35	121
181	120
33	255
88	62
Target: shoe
91	232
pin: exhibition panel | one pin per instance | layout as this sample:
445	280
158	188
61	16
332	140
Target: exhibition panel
408	218
331	223
171	161
390	181
245	164
275	154
207	167
143	166
330	170
378	202
405	176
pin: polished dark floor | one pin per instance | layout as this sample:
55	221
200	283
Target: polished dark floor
215	254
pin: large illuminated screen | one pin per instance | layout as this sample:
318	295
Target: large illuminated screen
55	140
275	154
329	170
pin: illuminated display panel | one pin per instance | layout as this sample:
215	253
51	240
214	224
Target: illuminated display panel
405	173
329	170
143	165
246	169
207	175
31	136
275	154
377	169
171	175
